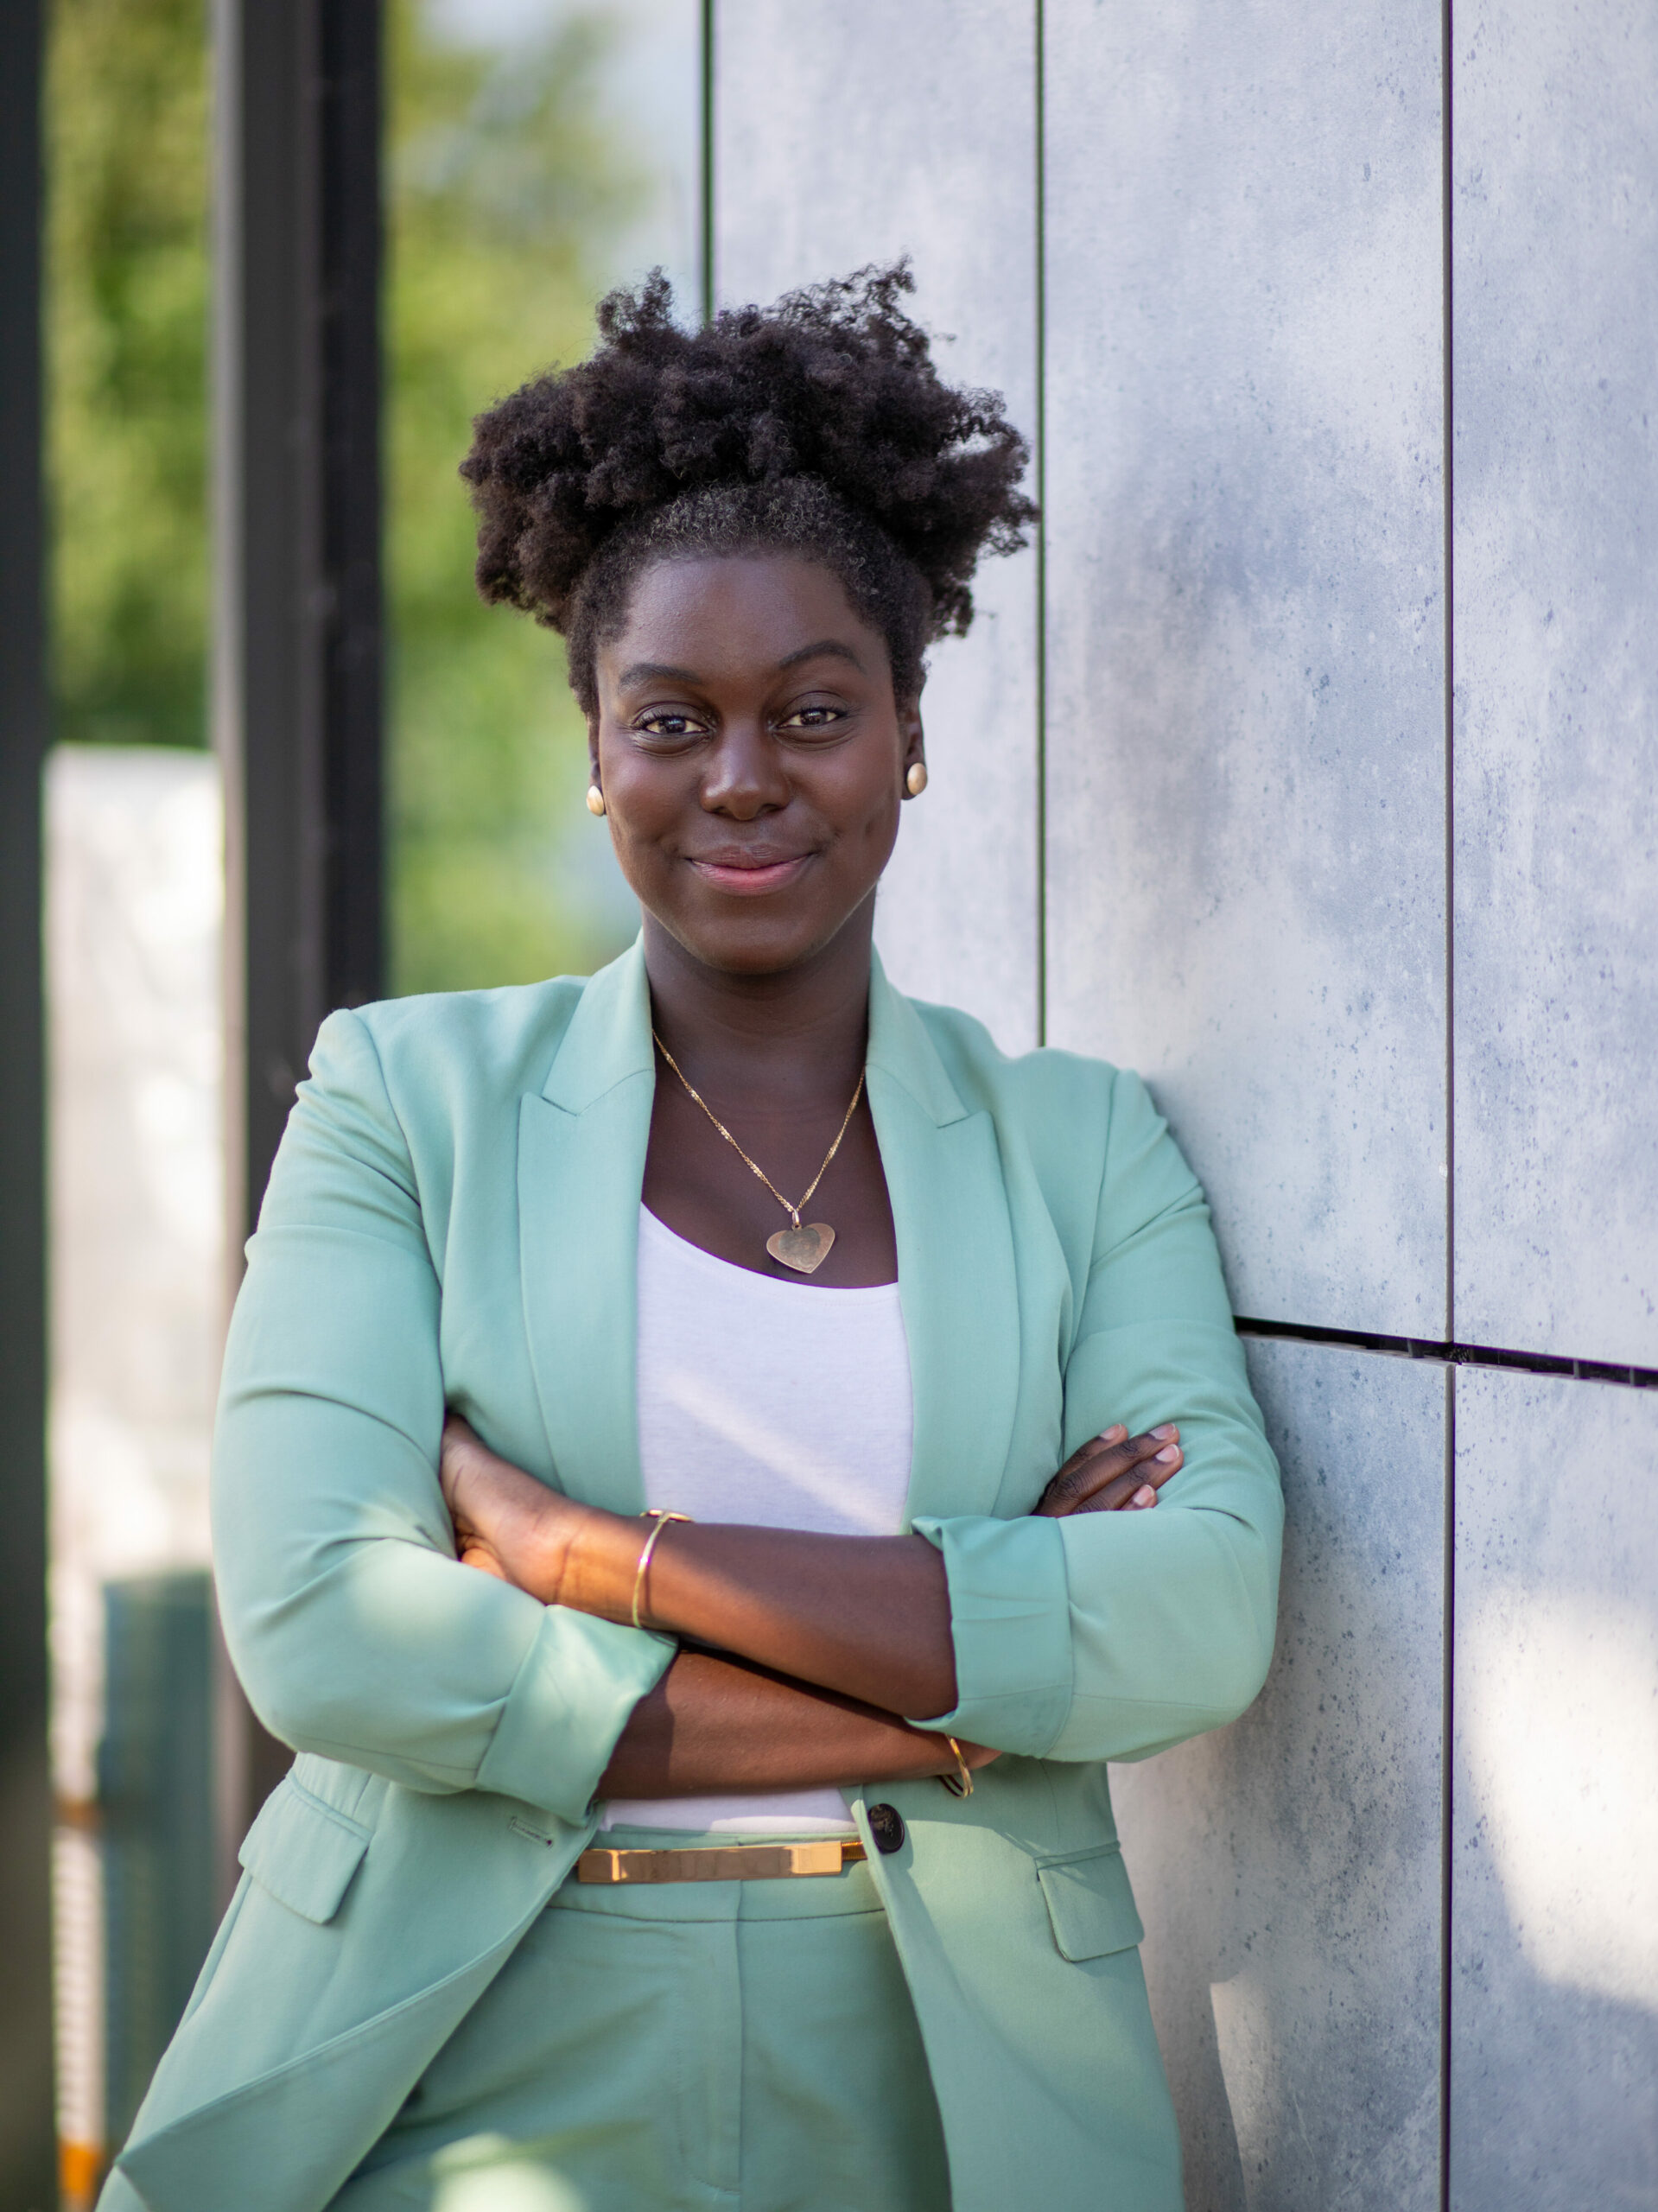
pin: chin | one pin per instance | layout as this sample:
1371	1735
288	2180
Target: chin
753	943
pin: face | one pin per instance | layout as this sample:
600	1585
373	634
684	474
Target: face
752	756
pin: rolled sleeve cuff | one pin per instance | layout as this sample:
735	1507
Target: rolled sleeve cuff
579	1684
1010	1624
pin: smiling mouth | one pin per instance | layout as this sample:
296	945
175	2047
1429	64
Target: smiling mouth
750	876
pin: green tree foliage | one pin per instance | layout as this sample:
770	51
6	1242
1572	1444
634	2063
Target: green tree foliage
504	197
126	121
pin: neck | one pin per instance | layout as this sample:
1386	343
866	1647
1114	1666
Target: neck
798	1031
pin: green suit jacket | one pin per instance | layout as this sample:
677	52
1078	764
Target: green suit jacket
452	1219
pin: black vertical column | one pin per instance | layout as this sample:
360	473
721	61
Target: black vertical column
298	635
27	2160
297	667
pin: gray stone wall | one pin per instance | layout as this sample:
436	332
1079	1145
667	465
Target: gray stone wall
1308	764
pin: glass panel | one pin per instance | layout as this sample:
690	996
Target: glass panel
134	887
539	152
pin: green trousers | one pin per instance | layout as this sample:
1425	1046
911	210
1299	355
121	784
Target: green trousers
749	2046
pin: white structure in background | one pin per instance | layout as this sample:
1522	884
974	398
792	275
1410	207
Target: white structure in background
135	895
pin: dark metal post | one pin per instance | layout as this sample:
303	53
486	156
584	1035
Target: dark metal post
298	644
28	2157
297	680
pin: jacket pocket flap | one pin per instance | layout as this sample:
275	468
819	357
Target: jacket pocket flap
1090	1903
303	1852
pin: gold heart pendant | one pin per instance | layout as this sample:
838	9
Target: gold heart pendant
804	1249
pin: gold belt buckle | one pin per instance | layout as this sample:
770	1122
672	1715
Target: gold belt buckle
736	1862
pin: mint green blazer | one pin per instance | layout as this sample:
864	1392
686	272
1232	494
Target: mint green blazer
453	1220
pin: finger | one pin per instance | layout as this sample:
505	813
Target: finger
1123	1499
976	1755
1112	1496
1110	1493
485	1562
1117	1435
458	1438
1085	1473
1136	1489
1111	1453
1126	1488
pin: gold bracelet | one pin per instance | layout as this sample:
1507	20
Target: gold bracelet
959	1784
660	1515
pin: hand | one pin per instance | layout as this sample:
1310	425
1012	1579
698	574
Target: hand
1115	1473
506	1523
975	1755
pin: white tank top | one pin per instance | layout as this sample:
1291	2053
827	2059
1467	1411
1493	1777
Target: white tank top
777	1405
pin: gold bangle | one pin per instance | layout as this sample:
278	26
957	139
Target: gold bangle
959	1784
660	1515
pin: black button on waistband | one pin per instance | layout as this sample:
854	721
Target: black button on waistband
886	1825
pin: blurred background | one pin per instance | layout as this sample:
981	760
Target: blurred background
535	153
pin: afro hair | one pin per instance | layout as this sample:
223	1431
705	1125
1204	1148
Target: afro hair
818	425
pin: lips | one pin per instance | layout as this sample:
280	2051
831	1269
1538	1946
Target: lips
749	872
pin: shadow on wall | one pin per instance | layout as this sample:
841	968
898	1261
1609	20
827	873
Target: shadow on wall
1288	1867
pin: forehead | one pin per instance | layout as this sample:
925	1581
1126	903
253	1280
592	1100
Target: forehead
726	614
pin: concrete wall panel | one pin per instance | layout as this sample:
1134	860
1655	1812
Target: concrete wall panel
848	131
1245	747
1288	1868
1555	1896
1555	345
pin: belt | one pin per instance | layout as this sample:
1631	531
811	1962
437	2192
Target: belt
736	1862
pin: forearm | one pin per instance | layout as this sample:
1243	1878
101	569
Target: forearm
865	1616
715	1725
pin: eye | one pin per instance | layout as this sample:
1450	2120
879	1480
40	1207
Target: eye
668	722
817	716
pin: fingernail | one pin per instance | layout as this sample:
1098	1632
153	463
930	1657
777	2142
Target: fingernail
1146	1495
1167	1430
1169	1454
1115	1434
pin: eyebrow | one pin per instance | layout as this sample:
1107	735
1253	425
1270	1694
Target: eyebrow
660	671
656	671
831	648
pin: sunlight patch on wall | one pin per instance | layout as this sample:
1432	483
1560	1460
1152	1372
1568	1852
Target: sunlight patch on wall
1558	1711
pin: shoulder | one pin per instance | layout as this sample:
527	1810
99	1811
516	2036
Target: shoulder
1045	1089
399	1089
1091	1131
438	1050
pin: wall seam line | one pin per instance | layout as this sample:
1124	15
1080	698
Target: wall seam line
1447	1713
1448	472
1041	703
1448	1352
1447	1782
706	178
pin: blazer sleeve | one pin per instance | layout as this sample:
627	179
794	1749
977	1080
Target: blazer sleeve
354	1630
1111	1636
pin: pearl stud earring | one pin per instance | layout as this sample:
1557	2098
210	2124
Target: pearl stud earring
916	782
596	799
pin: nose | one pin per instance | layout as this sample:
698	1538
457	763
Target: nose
746	775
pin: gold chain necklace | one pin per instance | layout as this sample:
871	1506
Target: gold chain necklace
805	1248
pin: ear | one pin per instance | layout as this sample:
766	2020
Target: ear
593	748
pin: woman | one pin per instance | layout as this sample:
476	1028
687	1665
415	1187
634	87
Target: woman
758	1852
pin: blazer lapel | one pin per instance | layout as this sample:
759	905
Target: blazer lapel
956	1276
582	1147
